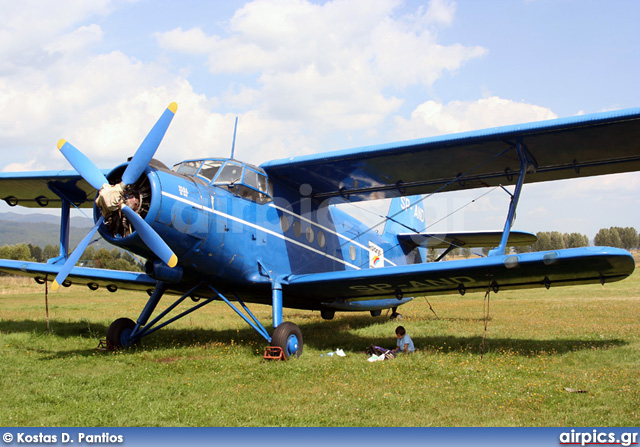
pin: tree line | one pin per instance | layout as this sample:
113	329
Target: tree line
102	258
620	237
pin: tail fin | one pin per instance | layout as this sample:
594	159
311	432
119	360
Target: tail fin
406	215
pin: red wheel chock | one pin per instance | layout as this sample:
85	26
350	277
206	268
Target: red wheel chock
274	353
104	345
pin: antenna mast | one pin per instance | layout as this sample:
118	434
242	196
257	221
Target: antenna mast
233	145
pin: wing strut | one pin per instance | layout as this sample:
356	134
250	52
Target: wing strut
65	224
525	165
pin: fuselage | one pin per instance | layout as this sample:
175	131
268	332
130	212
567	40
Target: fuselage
231	226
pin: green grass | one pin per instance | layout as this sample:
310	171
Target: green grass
207	369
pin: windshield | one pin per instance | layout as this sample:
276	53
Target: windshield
231	173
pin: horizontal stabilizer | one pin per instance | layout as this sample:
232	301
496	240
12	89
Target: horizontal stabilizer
466	239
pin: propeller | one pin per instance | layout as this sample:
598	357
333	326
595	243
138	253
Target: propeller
132	173
82	164
150	237
75	256
148	148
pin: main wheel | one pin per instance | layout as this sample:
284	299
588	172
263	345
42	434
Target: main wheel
289	337
119	333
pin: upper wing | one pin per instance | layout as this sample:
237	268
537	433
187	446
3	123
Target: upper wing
44	189
362	289
581	146
467	239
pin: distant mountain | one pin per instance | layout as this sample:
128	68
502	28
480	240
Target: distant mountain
42	229
77	221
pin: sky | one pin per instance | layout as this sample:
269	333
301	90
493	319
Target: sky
305	77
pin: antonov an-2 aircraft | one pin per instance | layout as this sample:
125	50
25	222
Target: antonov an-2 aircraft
220	229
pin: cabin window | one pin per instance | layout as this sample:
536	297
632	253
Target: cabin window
248	193
251	178
263	185
352	252
189	167
284	223
230	174
210	169
246	182
321	238
310	234
297	228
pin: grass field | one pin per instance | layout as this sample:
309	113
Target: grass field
559	357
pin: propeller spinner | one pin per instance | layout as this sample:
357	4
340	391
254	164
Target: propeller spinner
111	197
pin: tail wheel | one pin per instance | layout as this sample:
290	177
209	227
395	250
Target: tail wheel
119	333
289	337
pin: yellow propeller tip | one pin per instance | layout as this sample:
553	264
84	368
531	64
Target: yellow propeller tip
173	261
173	107
61	143
55	285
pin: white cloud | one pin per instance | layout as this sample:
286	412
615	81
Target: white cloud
319	73
31	165
76	41
316	64
192	41
29	26
434	118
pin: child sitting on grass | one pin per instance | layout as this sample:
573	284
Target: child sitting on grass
405	344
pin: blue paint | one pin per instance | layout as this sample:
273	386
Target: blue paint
501	249
292	344
271	234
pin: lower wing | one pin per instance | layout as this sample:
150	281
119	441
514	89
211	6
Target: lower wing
385	287
92	277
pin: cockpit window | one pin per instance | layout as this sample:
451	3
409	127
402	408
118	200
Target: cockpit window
231	173
263	185
251	178
189	167
246	181
209	169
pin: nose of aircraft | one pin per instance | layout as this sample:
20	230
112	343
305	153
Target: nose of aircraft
111	196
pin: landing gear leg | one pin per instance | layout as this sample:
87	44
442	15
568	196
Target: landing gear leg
286	335
395	314
124	332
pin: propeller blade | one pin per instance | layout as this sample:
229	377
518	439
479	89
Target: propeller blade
75	256
82	164
151	238
148	148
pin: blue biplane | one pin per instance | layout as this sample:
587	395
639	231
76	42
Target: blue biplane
220	229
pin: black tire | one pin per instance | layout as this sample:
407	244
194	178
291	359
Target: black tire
289	337
117	329
327	314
